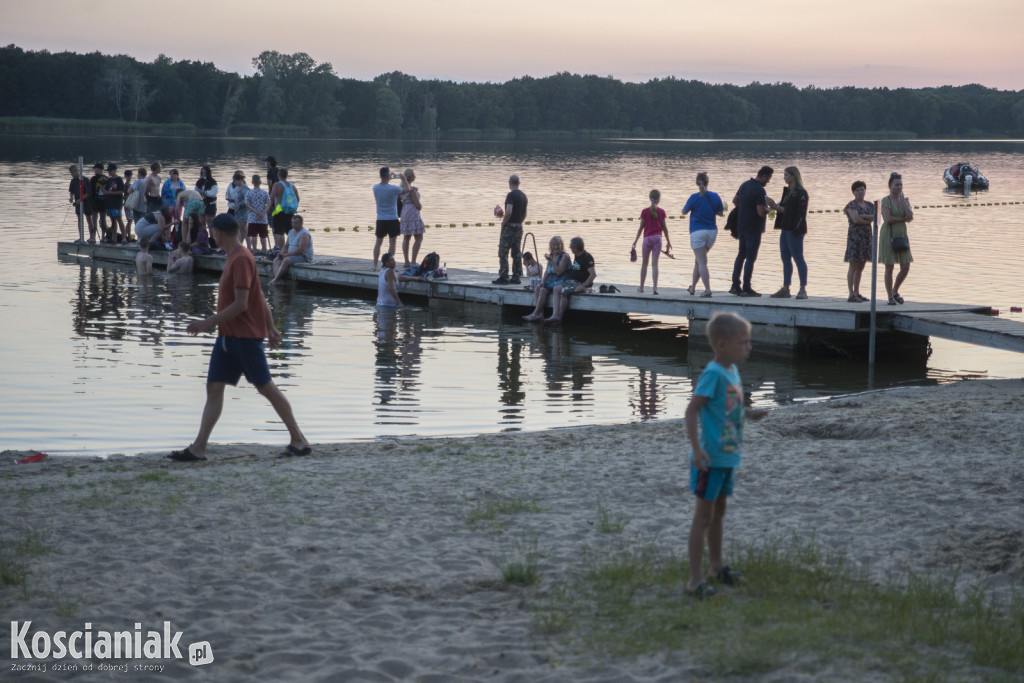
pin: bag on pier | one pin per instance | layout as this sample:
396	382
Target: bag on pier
431	263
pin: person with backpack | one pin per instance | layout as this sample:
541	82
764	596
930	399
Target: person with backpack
284	202
702	206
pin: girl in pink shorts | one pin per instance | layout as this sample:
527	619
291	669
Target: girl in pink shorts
652	225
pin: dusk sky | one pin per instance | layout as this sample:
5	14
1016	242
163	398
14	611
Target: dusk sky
913	43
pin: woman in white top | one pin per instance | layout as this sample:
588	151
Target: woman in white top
235	196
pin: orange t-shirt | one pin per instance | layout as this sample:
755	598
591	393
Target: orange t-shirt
240	272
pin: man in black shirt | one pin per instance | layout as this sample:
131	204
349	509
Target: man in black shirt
512	234
96	205
78	193
752	205
113	201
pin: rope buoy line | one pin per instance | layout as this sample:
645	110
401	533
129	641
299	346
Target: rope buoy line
568	221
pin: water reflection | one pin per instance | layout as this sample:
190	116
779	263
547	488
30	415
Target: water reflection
399	351
117	304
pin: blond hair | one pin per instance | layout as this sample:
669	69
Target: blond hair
797	178
724	326
556	241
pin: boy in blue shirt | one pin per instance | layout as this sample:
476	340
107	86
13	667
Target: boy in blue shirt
717	405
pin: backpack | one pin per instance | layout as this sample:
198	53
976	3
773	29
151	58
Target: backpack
431	263
289	202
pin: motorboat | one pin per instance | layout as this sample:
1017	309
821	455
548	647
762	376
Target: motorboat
964	175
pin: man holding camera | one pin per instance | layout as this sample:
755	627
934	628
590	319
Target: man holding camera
388	224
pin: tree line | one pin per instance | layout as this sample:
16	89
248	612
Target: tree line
294	92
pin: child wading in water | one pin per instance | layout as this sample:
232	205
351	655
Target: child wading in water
717	405
144	260
652	225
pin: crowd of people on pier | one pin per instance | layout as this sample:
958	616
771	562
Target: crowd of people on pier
167	214
747	223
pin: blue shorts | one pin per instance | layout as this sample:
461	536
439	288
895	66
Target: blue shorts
114	213
233	356
712	482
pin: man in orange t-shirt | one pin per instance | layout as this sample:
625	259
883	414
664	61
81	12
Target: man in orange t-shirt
243	319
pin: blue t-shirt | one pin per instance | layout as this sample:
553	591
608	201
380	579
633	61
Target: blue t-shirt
703	210
721	416
387	201
750	196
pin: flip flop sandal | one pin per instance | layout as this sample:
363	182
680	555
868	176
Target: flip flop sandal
729	576
691	290
293	451
702	590
185	455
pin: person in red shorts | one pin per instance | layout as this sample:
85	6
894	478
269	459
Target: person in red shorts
243	319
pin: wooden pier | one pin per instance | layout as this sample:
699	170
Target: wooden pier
785	325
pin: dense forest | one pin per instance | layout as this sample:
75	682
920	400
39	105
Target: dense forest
292	93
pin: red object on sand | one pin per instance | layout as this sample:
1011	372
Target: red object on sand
498	211
32	458
993	311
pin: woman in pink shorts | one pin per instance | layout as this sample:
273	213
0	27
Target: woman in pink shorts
652	225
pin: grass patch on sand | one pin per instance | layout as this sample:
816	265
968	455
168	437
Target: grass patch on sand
14	560
522	568
490	510
608	524
800	609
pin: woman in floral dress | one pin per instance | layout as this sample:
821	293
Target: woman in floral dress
860	214
411	222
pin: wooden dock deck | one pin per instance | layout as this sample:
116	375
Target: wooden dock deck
780	322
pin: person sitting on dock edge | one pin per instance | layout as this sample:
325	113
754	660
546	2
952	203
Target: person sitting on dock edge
299	249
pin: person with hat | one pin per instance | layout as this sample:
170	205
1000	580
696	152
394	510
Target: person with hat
243	319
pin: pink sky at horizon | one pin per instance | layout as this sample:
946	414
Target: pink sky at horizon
873	43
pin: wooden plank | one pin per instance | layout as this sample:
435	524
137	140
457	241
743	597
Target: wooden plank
475	286
970	328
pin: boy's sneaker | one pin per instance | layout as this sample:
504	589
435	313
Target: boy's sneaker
513	280
500	281
749	293
735	289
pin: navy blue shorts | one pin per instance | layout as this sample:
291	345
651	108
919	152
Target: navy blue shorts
234	356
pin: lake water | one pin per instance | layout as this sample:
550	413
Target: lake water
95	362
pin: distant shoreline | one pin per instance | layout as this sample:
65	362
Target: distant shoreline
40	125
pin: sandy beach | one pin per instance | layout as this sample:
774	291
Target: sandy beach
381	561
